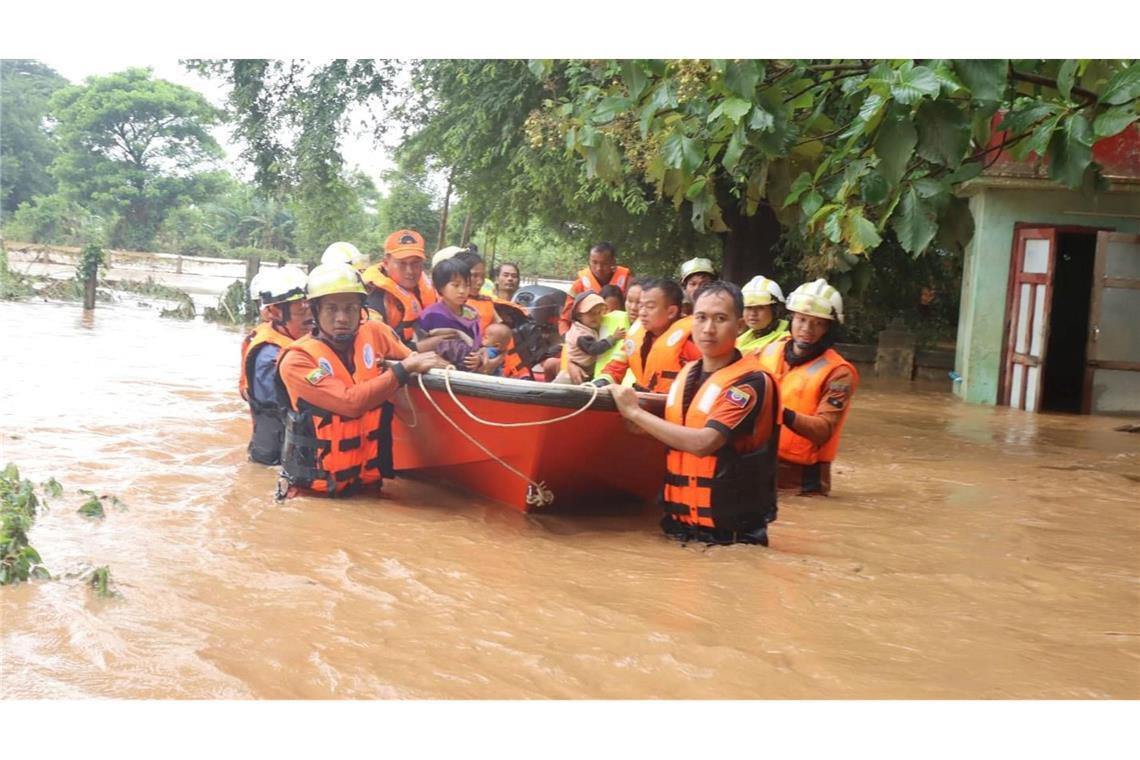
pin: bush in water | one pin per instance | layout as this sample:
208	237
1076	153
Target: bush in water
18	506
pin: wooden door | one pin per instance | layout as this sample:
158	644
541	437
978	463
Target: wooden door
1112	369
1034	254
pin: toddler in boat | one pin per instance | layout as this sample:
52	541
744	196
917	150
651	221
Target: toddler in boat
450	278
583	346
495	342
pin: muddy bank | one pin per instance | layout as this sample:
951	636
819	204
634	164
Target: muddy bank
967	552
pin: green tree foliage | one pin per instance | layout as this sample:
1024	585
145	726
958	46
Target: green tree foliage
26	148
843	150
134	146
19	505
408	203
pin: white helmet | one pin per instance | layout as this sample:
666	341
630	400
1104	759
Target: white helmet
817	299
344	253
693	266
760	291
258	283
446	253
284	284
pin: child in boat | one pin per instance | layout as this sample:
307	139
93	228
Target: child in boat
452	316
583	346
614	298
496	341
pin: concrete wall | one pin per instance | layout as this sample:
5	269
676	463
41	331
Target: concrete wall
985	275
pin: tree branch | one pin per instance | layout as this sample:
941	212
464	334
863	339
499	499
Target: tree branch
1021	76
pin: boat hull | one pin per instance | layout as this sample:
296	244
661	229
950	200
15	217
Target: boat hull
590	463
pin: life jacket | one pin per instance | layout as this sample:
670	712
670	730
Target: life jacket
408	305
663	364
801	388
735	487
620	278
750	342
268	417
328	453
611	323
485	305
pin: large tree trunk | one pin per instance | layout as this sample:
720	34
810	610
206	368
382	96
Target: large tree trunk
750	243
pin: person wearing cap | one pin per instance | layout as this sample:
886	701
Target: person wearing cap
399	290
695	273
345	253
762	297
816	386
338	429
287	317
656	351
721	425
583	345
602	270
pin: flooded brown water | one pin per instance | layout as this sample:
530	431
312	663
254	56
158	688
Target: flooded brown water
966	552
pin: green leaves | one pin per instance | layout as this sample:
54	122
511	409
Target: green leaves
1065	78
681	152
1113	121
741	78
943	133
635	78
913	222
985	78
1071	151
911	85
860	233
799	186
894	145
1123	87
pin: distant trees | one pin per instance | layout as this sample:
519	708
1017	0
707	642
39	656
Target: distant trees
26	148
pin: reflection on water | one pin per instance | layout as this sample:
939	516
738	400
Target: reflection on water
966	552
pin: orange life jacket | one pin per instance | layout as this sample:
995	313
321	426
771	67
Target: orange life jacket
267	416
587	280
801	388
324	451
408	305
663	363
734	488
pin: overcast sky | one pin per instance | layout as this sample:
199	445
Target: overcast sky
359	152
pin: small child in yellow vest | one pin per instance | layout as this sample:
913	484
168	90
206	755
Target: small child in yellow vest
583	346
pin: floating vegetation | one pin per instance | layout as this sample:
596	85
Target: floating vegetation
100	582
93	507
232	306
19	504
13	285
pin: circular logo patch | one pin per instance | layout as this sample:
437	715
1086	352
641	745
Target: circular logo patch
369	355
675	338
324	364
627	347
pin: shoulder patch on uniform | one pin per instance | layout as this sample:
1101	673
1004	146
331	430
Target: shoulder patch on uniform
675	338
627	347
369	355
738	397
836	402
839	387
325	365
316	376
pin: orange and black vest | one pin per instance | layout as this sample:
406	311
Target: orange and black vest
328	453
409	305
587	281
663	363
268	416
734	488
801	389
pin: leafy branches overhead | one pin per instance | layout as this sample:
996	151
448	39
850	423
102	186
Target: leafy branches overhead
840	148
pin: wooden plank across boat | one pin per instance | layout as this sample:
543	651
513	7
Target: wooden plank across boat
587	461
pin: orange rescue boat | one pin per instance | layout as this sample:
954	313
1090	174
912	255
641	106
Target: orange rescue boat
530	445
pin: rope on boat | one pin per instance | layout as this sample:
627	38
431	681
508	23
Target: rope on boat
537	493
469	413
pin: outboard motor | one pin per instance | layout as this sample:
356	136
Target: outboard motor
539	339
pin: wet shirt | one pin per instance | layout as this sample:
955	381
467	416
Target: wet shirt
302	375
736	407
816	478
264	387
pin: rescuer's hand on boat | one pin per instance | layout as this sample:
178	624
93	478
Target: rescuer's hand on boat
423	361
625	399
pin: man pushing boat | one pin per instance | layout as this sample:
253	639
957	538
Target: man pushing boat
721	430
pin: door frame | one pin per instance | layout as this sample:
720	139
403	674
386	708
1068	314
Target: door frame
1098	286
1013	295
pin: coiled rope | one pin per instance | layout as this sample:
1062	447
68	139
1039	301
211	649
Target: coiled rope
537	495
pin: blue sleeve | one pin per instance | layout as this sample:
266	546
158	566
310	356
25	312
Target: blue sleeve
265	375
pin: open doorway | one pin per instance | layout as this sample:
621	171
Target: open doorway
1064	370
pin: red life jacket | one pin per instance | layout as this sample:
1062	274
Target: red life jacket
801	389
663	363
324	451
734	488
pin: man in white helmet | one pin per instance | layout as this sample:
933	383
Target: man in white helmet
762	298
338	431
287	317
694	274
816	386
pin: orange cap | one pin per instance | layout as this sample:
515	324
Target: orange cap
403	244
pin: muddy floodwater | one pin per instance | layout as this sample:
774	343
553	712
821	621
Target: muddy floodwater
966	552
